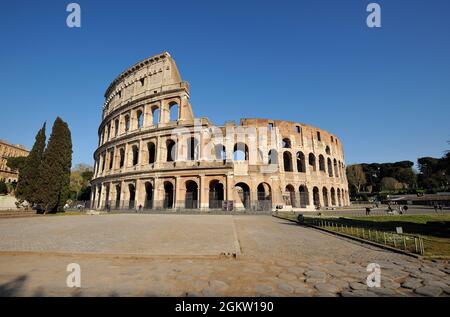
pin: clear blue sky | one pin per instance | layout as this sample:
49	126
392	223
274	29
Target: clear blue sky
385	92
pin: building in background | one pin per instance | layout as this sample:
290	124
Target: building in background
10	150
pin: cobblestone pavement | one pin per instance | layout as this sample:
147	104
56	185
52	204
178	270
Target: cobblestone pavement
278	258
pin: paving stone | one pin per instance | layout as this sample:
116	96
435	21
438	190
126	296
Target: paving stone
432	271
287	276
358	286
285	263
314	281
296	270
431	291
385	283
383	291
263	289
436	283
358	293
412	283
315	274
395	275
327	288
339	283
286	287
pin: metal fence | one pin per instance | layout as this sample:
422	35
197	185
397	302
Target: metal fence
406	242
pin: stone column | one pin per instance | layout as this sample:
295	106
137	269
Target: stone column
203	193
179	193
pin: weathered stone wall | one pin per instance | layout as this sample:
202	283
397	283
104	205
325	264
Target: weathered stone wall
206	165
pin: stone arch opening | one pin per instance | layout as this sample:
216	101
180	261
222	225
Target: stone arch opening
264	196
330	167
155	115
192	149
216	194
290	196
135	153
174	111
168	195
151	147
312	162
122	157
327	150
243	192
118	194
127	123
171	150
336	170
273	157
321	163
286	143
325	197
316	197
191	198
240	152
139	119
287	161
301	164
333	196
131	196
220	152
304	196
148	195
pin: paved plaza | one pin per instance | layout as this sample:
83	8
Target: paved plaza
200	255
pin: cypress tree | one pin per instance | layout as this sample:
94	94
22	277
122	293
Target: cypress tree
54	171
27	184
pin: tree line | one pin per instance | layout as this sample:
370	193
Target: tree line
44	175
433	175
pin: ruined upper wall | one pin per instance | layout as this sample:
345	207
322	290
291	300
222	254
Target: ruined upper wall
152	76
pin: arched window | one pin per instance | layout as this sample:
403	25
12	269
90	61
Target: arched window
312	162
135	150
116	127
243	192
333	197
173	109
155	115
168	195
327	150
264	193
221	153
240	152
273	157
301	164
216	194
290	195
127	123
139	119
191	198
151	152
192	149
286	143
118	192
304	198
325	197
122	157
336	170
287	161
321	163
339	197
111	159
132	196
148	195
330	167
316	197
171	150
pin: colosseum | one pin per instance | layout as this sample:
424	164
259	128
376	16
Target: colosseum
154	154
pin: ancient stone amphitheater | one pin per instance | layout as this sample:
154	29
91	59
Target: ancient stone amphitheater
154	154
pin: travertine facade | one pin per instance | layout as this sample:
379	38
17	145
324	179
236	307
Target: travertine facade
9	150
153	152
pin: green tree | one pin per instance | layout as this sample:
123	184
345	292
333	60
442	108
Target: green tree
3	188
28	183
356	177
16	163
54	171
